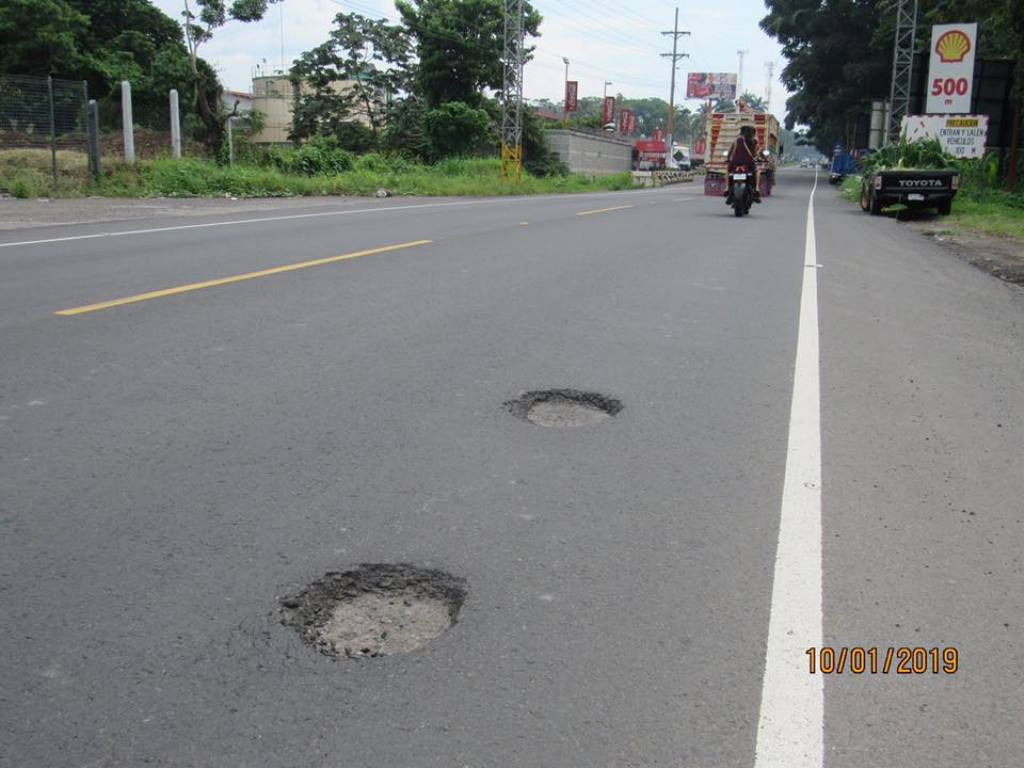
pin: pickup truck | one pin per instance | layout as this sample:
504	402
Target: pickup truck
914	189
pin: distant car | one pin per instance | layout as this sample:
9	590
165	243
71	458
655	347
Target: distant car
805	163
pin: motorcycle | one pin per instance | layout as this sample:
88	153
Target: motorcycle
741	190
742	186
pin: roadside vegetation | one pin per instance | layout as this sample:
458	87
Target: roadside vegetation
283	173
981	205
403	105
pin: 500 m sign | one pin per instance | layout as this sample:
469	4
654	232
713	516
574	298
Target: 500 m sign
951	72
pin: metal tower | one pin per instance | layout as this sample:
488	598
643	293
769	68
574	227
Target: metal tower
902	66
512	90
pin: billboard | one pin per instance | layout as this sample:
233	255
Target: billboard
572	102
608	114
961	136
951	68
711	85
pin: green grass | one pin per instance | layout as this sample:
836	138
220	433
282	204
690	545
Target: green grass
26	173
850	189
990	212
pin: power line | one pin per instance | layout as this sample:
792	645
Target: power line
379	15
609	32
603	71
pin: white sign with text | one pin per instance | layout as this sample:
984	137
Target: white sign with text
951	71
961	136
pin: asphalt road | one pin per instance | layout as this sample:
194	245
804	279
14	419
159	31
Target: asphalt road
640	591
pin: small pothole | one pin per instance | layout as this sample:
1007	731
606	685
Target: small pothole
563	407
375	610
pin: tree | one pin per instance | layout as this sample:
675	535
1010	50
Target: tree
214	14
457	129
101	42
835	57
840	52
41	37
363	63
459	44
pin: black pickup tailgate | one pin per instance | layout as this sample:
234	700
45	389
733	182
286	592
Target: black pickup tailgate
910	186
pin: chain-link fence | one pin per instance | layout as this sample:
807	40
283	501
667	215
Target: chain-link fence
44	119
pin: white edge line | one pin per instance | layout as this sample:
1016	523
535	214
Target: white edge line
790	732
286	217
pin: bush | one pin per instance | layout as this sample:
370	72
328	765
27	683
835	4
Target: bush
455	128
377	163
21	189
321	155
404	131
355	137
538	158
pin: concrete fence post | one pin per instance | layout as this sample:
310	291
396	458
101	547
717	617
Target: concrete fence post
126	119
175	125
53	130
94	138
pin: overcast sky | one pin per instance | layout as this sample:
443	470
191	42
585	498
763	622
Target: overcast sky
603	40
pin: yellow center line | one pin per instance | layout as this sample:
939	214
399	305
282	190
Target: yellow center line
604	210
234	279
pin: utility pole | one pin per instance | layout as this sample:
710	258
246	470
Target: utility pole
769	71
902	67
739	80
606	84
675	56
512	91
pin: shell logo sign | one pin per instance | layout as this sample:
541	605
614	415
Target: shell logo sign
951	69
953	46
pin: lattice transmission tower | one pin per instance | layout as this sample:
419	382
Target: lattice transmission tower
512	90
902	67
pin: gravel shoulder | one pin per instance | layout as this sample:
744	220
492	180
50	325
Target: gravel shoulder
1002	257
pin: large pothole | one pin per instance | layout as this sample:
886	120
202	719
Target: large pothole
375	610
563	407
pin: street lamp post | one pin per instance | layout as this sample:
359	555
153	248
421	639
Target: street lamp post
606	84
565	96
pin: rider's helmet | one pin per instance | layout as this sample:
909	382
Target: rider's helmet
747	132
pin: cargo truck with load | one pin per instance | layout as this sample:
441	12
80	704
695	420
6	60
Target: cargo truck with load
722	130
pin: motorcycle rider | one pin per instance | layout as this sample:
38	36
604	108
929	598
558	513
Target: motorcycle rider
743	152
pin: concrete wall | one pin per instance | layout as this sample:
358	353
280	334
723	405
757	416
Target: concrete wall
591	154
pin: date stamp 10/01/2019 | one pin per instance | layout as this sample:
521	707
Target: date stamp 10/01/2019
872	660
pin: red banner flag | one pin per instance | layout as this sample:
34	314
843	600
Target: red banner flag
572	103
624	121
631	128
608	116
